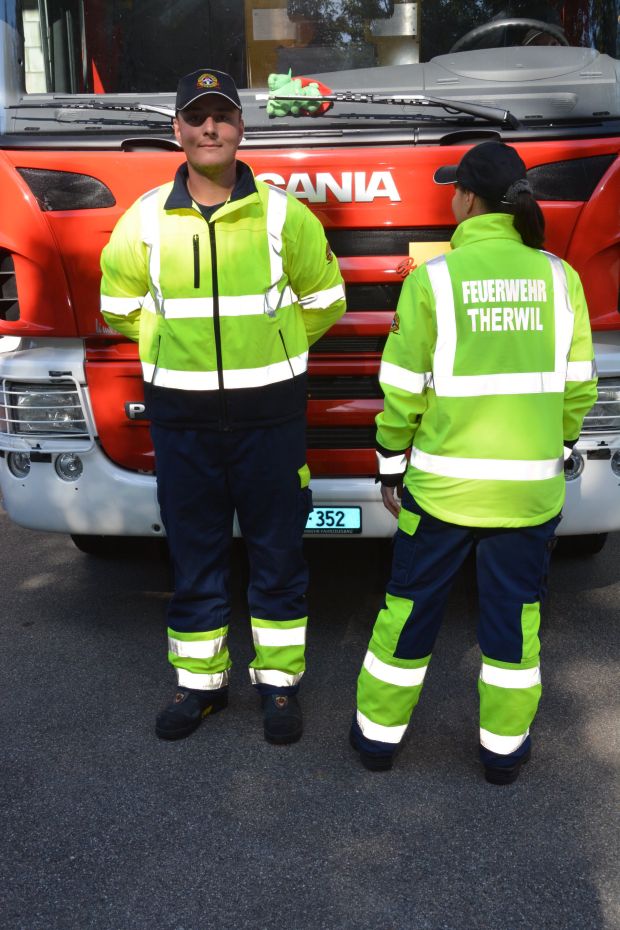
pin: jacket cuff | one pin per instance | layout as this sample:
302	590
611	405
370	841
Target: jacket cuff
389	481
391	466
568	448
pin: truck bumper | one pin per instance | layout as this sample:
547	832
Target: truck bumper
110	501
106	500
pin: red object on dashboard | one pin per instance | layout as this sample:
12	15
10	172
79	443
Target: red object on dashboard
324	91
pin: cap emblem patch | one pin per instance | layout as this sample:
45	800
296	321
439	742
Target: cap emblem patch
207	81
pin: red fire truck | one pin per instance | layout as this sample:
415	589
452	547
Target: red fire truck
86	96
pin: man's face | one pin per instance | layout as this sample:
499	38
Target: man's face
209	132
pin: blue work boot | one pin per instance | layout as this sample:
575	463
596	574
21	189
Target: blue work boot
187	710
282	718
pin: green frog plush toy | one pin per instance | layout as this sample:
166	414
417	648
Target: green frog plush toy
285	85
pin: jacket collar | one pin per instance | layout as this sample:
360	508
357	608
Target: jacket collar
485	226
180	198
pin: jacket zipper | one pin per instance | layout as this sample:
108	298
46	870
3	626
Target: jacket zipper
196	261
216	328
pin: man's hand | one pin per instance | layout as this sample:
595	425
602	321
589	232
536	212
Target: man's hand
391	498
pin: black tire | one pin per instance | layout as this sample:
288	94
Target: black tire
582	546
102	546
122	547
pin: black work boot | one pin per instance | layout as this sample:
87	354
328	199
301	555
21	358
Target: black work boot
187	711
373	761
281	718
505	775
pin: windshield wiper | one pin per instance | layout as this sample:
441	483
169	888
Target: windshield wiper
493	114
96	105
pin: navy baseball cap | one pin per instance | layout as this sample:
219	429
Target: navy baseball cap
488	169
206	81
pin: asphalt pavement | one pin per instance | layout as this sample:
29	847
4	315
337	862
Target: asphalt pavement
105	827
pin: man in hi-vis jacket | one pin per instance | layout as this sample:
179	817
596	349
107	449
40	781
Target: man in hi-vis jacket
225	281
487	373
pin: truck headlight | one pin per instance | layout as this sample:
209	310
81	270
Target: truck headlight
605	414
45	409
573	466
68	466
19	464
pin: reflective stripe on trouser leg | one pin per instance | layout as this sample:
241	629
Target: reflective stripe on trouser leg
194	497
201	659
427	555
272	497
512	570
509	696
388	688
280	652
273	507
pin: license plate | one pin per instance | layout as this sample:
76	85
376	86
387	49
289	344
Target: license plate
335	520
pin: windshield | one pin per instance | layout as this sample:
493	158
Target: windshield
143	46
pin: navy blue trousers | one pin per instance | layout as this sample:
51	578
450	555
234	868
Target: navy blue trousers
203	477
512	569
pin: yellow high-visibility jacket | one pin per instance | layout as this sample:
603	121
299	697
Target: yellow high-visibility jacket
487	372
225	308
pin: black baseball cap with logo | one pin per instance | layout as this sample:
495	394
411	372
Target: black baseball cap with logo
206	81
488	169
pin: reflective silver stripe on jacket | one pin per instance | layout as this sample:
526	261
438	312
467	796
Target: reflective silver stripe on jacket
276	217
391	465
581	371
228	306
321	300
233	378
181	308
447	384
487	469
120	306
564	315
411	381
149	219
275	298
502	745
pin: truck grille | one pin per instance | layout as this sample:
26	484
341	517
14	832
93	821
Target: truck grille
339	345
341	437
349	243
343	387
372	296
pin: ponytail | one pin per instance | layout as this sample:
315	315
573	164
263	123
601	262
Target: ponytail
528	220
527	216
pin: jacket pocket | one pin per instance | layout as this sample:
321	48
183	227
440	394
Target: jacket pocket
304	476
407	521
